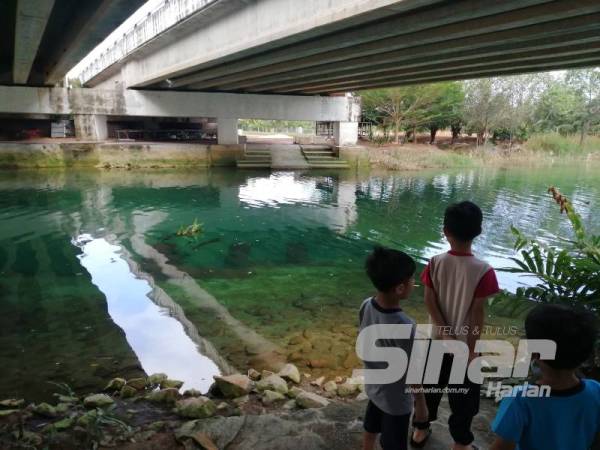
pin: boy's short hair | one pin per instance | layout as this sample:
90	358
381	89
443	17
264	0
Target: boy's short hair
574	331
463	220
387	268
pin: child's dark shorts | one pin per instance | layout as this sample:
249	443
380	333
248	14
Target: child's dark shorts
393	429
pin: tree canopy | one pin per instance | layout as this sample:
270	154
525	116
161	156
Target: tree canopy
501	107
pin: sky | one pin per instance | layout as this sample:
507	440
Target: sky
129	23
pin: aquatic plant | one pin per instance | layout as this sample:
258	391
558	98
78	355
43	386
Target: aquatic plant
194	229
64	389
568	275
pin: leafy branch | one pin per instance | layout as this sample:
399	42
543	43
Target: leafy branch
565	275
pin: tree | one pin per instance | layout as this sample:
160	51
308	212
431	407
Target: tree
447	110
556	109
484	105
408	107
586	82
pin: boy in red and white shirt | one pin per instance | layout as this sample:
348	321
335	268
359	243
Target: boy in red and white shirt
456	287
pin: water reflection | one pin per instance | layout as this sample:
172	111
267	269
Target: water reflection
158	340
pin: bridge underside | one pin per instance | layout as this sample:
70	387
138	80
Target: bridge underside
41	40
392	46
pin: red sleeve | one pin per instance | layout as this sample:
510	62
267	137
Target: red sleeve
426	277
488	285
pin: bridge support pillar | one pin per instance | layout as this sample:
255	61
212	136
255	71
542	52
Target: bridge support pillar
345	133
91	127
227	129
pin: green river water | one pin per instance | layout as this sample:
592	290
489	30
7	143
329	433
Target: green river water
94	282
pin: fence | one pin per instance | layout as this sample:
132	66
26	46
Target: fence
164	16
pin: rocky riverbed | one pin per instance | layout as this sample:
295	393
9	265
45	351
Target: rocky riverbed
260	410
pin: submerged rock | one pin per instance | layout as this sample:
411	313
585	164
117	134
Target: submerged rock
272	383
254	374
156	379
44	409
8	412
330	387
289	405
266	374
294	392
167	396
192	393
12	403
62	408
290	372
85	419
115	384
347	389
31	438
361	397
166	384
270	397
137	383
128	392
241	400
196	408
66	398
318	382
310	400
61	425
233	386
97	401
204	441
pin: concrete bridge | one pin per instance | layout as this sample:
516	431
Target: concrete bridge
273	59
41	40
318	47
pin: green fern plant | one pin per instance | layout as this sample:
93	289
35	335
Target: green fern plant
568	275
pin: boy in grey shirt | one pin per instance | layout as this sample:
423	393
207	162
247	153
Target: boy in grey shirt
390	405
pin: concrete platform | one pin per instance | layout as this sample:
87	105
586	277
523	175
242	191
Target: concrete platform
288	157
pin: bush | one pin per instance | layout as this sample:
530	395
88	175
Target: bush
558	144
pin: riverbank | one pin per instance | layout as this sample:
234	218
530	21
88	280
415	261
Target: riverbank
264	410
462	155
540	150
107	155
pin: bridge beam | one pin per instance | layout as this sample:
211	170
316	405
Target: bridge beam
465	18
31	20
91	107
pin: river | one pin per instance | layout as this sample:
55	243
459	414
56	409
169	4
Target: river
95	283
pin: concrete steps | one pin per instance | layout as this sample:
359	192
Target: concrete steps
255	158
323	157
290	157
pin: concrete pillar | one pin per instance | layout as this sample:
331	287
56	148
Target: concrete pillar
91	127
227	129
345	133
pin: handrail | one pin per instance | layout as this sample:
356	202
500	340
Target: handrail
164	16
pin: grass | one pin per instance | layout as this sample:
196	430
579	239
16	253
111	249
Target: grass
540	150
416	157
557	144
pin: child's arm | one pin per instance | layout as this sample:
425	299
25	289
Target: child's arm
477	320
433	309
501	444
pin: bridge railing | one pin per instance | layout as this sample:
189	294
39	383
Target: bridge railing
167	14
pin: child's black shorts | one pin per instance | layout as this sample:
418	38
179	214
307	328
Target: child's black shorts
393	429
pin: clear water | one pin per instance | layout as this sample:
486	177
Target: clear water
94	282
